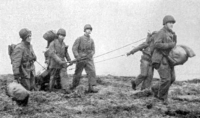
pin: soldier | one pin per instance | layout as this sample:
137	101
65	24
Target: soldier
57	54
146	68
49	36
84	48
43	79
164	41
22	59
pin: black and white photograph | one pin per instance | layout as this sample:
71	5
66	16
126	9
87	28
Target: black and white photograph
99	59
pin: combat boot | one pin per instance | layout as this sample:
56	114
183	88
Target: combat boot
91	89
165	101
72	87
133	85
64	91
155	92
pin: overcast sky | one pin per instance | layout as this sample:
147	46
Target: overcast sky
115	23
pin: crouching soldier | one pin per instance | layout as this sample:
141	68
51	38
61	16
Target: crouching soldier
57	54
83	50
22	59
146	69
42	80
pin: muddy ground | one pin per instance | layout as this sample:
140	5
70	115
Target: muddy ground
115	99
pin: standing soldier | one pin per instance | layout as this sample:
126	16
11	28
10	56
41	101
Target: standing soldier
165	40
146	68
83	50
22	59
57	54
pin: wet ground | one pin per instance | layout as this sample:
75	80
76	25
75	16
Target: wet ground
115	99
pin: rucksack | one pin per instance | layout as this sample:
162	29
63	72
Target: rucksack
150	41
11	49
50	35
150	36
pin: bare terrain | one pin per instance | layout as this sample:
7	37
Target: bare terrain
115	99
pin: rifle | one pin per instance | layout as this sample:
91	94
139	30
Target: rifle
77	60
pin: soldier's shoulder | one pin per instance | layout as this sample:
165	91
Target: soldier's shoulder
79	38
52	43
160	33
20	46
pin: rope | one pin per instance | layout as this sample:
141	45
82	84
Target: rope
119	48
41	65
110	58
105	59
110	52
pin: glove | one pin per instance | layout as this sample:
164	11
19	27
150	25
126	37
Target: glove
129	53
33	59
47	62
156	65
90	55
64	64
78	58
17	76
71	63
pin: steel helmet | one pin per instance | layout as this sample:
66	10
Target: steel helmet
24	33
168	18
87	26
62	32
